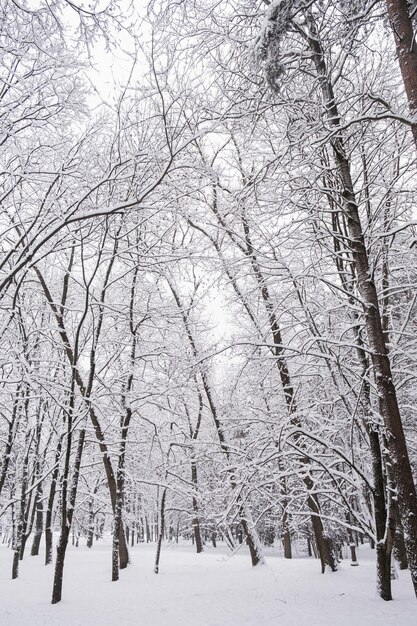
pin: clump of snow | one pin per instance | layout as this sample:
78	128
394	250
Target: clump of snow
273	28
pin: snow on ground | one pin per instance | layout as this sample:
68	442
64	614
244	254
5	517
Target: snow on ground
209	589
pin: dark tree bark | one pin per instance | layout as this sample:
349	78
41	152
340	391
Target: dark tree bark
90	531
405	42
352	544
37	513
37	536
18	537
11	431
50	506
194	473
29	518
400	553
67	513
161	531
286	538
147	530
118	532
196	522
286	535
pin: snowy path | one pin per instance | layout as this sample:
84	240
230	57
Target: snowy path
200	590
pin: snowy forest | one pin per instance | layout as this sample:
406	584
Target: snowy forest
208	295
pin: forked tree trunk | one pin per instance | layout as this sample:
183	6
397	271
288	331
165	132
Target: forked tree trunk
67	513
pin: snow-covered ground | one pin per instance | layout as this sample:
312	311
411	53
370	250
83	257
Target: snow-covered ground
200	590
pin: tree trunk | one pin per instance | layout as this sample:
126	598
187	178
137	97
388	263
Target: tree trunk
388	405
90	532
286	537
352	544
196	522
405	42
400	553
10	438
383	560
38	523
161	531
67	514
323	546
18	538
59	565
50	506
27	525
